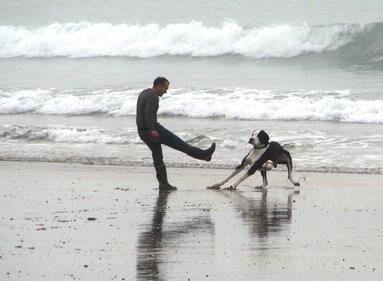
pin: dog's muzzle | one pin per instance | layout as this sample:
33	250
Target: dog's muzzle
251	140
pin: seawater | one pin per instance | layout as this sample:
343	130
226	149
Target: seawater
310	77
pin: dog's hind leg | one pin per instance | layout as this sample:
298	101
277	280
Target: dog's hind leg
289	171
264	180
289	164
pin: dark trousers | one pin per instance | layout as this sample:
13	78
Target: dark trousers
171	140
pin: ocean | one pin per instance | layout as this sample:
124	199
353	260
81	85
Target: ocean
310	73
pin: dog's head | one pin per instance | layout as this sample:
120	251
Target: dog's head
259	138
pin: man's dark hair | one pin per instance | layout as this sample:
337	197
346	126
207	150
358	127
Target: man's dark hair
160	81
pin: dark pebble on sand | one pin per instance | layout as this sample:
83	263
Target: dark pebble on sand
121	188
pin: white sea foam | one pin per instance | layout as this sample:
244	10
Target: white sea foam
85	39
341	106
266	105
63	134
74	102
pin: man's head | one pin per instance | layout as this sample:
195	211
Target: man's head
160	85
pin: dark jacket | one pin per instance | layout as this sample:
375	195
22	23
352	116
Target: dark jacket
147	107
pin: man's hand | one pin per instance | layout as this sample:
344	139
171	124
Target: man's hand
154	135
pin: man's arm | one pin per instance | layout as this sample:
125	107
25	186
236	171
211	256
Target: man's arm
151	116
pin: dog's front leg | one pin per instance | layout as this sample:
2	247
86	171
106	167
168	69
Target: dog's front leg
256	166
241	179
218	185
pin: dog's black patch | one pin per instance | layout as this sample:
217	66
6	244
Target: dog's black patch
263	137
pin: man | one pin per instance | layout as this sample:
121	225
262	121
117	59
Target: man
153	134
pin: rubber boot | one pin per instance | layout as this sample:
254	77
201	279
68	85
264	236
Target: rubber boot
202	154
163	179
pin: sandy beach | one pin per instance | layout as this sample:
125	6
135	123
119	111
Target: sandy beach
88	222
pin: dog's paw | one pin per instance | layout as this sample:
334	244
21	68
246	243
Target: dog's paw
214	187
231	187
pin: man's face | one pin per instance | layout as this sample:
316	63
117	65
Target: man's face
162	88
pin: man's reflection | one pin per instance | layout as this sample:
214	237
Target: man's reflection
154	242
149	243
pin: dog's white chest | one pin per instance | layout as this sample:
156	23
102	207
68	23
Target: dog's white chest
255	154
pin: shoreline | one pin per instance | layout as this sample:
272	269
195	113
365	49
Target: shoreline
196	166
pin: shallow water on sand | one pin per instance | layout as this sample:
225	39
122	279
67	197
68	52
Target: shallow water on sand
99	139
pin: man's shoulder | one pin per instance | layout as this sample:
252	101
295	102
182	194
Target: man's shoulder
149	92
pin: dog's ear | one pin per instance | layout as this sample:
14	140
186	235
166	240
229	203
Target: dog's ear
263	137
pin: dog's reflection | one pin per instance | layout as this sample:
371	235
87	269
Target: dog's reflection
152	244
263	216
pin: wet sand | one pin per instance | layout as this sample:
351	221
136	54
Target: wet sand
83	222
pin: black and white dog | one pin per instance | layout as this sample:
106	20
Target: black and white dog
262	157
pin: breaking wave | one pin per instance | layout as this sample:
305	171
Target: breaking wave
249	104
84	39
